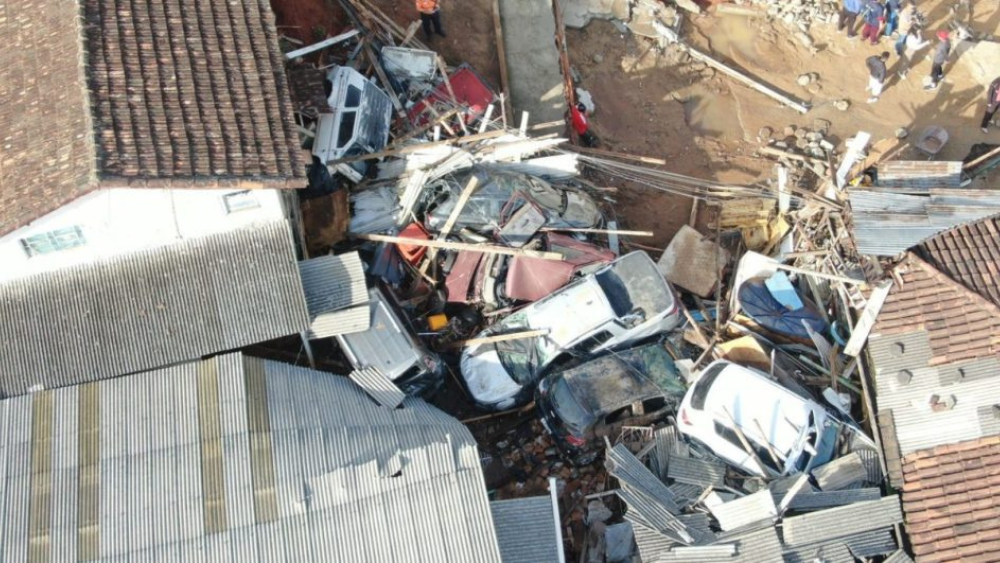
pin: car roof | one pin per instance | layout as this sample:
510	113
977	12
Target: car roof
606	384
642	280
750	396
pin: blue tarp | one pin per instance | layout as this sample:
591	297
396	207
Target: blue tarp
758	304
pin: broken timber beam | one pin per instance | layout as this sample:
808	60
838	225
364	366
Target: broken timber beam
502	54
499	338
386	85
739	76
791	156
416	148
612	154
321	45
451	92
488	248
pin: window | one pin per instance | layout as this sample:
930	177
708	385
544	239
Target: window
346	131
704	383
595	341
53	241
240	201
353	96
732	437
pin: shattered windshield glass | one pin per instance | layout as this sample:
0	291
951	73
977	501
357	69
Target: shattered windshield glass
523	358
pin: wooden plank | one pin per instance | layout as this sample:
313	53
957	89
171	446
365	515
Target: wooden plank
424	128
502	54
321	45
420	147
410	32
622	156
499	338
790	155
463	198
451	92
864	325
386	85
831	277
488	248
599	231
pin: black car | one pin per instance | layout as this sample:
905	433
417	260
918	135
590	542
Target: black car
581	405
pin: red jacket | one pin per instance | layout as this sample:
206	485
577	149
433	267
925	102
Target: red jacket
579	120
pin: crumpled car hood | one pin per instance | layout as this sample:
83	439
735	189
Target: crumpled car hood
486	377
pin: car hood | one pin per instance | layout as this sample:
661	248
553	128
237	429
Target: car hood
485	376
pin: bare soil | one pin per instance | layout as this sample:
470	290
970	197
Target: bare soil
309	21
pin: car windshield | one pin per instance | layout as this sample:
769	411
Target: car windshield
573	415
704	383
523	358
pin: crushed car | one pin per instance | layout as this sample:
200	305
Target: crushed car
499	196
581	405
391	346
787	433
497	280
620	304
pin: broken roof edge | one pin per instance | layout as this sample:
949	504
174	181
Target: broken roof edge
911	260
951	191
295	181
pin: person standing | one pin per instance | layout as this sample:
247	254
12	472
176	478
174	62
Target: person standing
876	75
874	20
940	56
992	104
430	15
849	11
578	118
907	46
892	9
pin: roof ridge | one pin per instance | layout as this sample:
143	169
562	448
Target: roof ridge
913	258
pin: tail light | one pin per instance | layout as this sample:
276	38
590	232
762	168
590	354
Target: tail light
684	417
578	442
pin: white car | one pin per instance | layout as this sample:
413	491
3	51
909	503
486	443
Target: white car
618	305
776	421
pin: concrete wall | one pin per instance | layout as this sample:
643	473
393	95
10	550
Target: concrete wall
118	221
536	83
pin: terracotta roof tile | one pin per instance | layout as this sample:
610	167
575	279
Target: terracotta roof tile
951	501
960	324
189	91
970	255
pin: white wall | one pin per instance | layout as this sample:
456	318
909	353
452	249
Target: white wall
121	220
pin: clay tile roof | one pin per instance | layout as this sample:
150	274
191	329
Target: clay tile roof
46	139
960	323
970	255
951	497
139	93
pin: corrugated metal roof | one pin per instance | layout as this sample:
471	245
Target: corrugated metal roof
974	384
745	510
899	556
150	308
841	473
826	553
919	176
886	224
696	471
378	387
871	543
526	530
336	294
829	499
833	523
646	495
699	554
177	453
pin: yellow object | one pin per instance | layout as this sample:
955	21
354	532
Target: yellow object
437	322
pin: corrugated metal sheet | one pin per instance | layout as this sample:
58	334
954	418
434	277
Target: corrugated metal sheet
699	554
827	553
833	523
828	499
918	176
667	443
746	510
150	308
974	384
647	495
899	556
841	473
649	542
175	458
336	295
526	530
696	471
378	387
886	224
871	543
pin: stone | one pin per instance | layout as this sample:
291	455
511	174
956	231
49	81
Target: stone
801	132
815	137
598	58
804	80
826	145
801	143
901	133
789	130
781	144
688	5
842	105
821	126
814	88
764	134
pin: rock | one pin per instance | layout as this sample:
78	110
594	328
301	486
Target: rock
814	137
781	145
804	79
826	145
901	133
598	58
801	132
688	5
821	126
764	134
814	88
789	130
842	105
708	73
801	143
